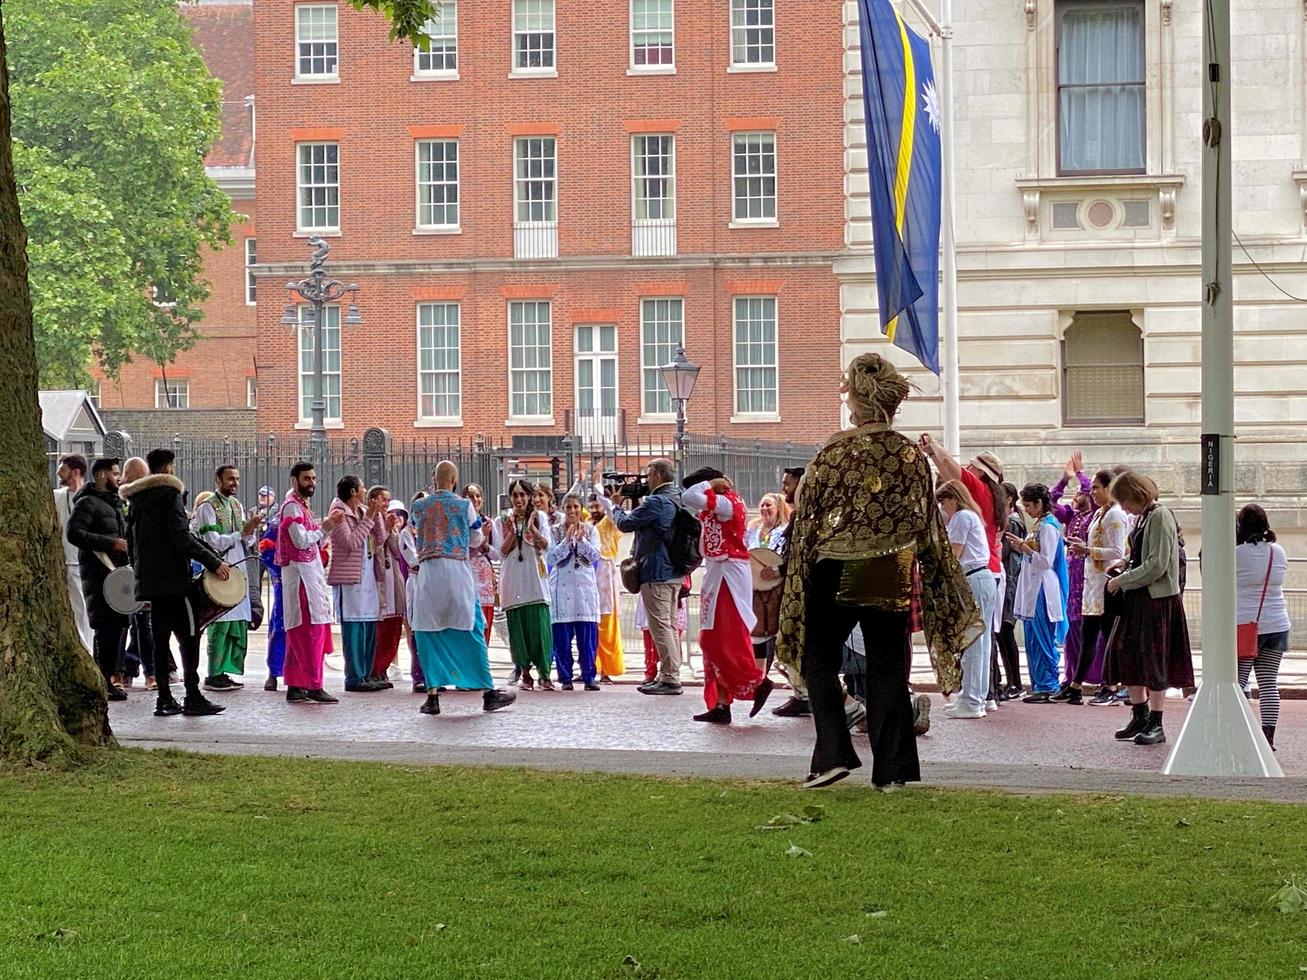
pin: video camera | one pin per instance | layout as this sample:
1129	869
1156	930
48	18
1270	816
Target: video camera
631	486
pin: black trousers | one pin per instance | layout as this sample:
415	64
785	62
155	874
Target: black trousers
139	657
171	616
107	643
1007	646
889	706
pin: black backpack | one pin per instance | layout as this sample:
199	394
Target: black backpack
683	543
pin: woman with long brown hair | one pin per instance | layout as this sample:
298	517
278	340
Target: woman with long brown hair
970	542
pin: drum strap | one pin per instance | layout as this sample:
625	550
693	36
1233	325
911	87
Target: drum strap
105	558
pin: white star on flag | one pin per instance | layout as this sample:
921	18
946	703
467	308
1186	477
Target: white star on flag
930	98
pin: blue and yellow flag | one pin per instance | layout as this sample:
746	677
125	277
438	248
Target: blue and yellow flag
903	163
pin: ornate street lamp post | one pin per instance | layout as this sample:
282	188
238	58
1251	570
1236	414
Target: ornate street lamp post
319	291
680	376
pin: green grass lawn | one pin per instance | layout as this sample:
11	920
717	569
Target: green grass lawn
163	864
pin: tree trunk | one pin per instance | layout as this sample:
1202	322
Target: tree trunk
52	699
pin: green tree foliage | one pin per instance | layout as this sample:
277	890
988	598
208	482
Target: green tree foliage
407	17
114	111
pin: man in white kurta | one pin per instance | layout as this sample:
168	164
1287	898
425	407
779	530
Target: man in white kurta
72	474
305	598
448	624
221	524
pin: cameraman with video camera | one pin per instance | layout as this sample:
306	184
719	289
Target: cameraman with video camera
652	520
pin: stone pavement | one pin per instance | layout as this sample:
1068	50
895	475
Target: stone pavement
1022	748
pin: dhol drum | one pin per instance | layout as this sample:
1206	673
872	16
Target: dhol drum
210	597
120	591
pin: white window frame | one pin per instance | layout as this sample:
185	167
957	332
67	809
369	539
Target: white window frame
659	69
173	389
251	258
521	183
546	418
455	418
732	27
596	355
419	184
669	202
301	188
750	415
93	394
252	392
446	19
302	372
538	71
651	371
760	222
317	78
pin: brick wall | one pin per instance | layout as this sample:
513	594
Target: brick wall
216	369
150	428
379	369
593	106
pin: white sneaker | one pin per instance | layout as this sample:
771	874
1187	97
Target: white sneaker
854	712
991	705
966	713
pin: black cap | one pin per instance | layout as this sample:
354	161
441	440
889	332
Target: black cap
702	475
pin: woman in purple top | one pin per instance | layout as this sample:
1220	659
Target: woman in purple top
1075	518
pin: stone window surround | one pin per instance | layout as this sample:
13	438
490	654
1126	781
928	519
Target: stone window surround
1065	320
1041	116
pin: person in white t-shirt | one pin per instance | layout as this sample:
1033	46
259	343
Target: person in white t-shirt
966	532
1261	566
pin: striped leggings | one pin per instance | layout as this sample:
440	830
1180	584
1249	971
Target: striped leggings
1270	651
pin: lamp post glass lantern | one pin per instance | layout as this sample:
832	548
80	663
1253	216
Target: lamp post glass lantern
319	291
679	377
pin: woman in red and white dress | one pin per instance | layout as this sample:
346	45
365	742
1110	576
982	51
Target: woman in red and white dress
726	616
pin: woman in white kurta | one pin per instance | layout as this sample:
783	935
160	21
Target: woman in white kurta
574	595
525	538
1103	550
1041	592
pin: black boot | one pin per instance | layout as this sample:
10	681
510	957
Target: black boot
1152	733
720	715
495	699
1138	722
1269	732
432	704
196	705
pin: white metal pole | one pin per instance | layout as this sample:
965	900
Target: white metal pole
1221	736
948	378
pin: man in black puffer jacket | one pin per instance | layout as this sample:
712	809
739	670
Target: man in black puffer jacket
97	528
162	547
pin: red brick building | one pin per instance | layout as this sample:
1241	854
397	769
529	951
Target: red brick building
213	387
541	206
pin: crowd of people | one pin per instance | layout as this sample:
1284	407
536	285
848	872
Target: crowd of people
880	536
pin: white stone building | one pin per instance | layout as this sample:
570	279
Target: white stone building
1078	226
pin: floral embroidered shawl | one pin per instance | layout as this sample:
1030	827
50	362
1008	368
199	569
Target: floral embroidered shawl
867	494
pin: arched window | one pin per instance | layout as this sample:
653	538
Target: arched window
1102	369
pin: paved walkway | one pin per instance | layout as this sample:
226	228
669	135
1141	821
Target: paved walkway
1022	748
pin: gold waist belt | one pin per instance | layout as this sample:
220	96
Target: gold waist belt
884	582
